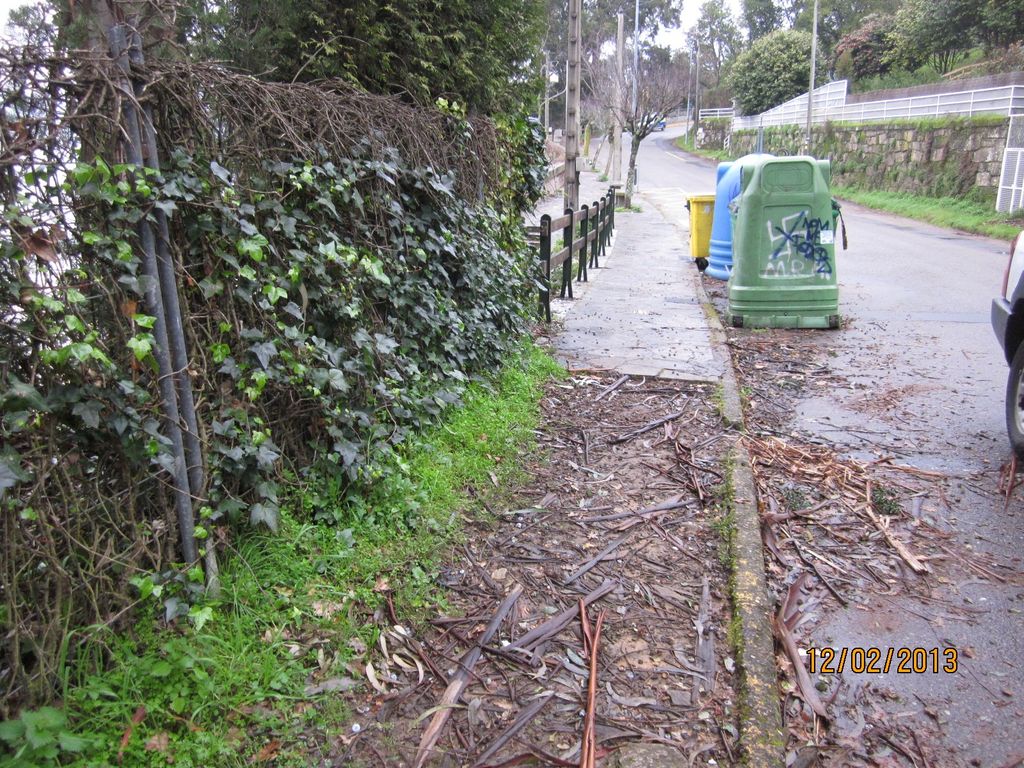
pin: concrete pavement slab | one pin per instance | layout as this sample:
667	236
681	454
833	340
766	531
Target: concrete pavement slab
641	307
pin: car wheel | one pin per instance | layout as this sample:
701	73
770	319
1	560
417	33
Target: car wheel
1015	403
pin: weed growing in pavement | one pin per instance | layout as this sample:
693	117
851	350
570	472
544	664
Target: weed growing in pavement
885	501
629	209
227	687
794	498
718	401
746	393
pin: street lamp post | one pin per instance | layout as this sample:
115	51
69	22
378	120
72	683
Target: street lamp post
550	78
810	92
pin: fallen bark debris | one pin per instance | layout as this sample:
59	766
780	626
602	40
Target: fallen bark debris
611	388
704	652
664	506
526	714
595	560
553	626
788	609
541	698
458	683
646	428
592	641
916	565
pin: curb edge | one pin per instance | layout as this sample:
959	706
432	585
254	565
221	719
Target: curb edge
760	714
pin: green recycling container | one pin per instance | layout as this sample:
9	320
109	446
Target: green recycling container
784	270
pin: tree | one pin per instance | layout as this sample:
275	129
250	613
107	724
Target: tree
716	40
1002	22
863	52
836	18
599	24
939	31
761	18
661	88
478	53
776	68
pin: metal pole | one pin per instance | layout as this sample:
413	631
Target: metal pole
175	322
810	92
547	97
620	48
118	36
636	57
572	107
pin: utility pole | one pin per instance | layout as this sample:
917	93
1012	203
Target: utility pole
689	84
810	93
620	49
696	96
572	107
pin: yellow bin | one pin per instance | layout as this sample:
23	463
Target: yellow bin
702	211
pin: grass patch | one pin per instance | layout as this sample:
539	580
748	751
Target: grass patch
686	143
225	685
954	213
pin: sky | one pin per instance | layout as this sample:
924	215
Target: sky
676	38
7	5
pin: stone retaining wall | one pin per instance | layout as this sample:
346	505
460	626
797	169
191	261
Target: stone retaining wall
713	132
930	157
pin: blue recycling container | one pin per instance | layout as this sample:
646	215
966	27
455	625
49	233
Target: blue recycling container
726	190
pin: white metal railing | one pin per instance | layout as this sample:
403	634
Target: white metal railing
830	104
707	114
827	98
1011	183
1010	194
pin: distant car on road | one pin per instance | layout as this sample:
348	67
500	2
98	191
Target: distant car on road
660	126
1008	324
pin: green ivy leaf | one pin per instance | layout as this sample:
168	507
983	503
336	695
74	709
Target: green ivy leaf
220	172
264	352
252	247
144	584
74	323
141	345
200	616
89	412
264	514
274	293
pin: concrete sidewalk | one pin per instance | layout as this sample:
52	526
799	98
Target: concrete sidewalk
644	312
641	311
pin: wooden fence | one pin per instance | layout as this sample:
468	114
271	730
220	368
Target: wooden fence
585	233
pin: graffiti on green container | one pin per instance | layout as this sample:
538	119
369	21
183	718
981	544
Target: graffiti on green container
798	247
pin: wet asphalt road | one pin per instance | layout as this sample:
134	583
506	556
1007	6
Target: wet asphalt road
916	339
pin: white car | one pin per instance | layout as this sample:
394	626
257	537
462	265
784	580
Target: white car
1008	324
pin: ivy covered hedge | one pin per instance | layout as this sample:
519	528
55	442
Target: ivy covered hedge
334	303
